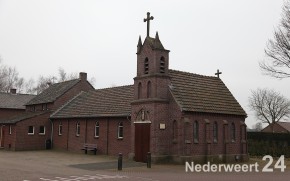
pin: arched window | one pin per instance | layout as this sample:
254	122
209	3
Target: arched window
162	65
149	89
215	132
174	131
60	129
195	131
139	90
233	132
120	130
97	129
146	66
78	129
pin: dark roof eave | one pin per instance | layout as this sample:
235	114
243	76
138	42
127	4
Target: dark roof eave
21	118
44	102
91	116
213	112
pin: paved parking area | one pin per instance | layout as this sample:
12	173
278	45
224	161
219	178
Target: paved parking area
64	166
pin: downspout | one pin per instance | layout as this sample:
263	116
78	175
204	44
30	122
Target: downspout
67	138
107	136
1	136
86	131
51	134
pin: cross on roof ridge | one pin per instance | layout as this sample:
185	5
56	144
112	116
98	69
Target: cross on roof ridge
148	22
218	73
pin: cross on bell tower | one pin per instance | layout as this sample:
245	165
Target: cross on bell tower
218	73
148	22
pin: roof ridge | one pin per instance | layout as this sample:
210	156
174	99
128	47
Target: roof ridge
18	94
190	73
112	87
68	102
65	81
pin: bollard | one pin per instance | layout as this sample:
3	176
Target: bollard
148	160
120	160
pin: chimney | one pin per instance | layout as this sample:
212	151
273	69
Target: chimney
83	76
13	91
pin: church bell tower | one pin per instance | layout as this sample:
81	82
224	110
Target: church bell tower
151	95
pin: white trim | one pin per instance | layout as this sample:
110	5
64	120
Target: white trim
78	127
147	121
59	132
120	126
10	129
43	130
32	132
97	136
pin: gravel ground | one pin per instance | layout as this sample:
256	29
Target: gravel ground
63	166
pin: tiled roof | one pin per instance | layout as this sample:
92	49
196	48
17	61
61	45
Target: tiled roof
193	93
285	125
20	117
53	92
98	103
14	101
199	93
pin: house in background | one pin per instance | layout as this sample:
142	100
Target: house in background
31	129
279	127
11	104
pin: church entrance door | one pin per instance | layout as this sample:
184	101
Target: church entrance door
142	141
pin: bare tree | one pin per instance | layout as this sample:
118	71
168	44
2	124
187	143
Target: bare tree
64	76
9	78
258	126
269	106
277	51
43	83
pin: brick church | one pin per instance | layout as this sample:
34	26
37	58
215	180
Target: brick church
174	115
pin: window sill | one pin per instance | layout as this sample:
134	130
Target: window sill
187	142
42	134
121	138
30	134
96	137
77	135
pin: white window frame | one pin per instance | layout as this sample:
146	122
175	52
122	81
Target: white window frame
97	125
78	129
10	129
32	129
120	125
60	129
43	130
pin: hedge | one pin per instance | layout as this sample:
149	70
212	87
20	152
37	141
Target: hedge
275	144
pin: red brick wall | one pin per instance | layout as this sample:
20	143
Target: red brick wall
36	141
6	113
153	59
206	145
69	141
9	139
23	141
75	90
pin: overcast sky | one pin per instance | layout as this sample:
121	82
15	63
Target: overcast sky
100	37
